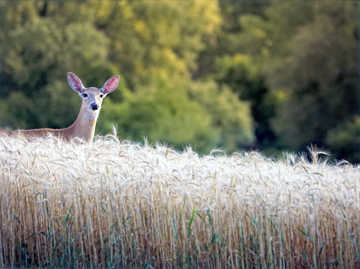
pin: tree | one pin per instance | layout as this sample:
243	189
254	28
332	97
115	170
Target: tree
242	76
238	59
157	39
161	112
344	140
322	76
201	115
36	58
153	45
230	116
296	62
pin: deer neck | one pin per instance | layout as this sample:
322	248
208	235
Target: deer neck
84	126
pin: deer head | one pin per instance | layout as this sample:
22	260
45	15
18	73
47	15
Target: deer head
92	97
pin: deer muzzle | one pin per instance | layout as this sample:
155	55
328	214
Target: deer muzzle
94	106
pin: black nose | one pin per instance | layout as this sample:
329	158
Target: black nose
94	107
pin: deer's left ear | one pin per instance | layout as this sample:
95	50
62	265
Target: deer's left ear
110	85
75	83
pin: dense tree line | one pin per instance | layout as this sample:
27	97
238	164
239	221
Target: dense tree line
230	74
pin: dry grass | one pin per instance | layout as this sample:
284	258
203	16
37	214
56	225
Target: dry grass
117	204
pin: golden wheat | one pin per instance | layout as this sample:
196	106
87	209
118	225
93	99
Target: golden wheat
116	204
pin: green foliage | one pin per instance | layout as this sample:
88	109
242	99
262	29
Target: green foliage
229	74
34	64
150	43
36	58
344	140
16	110
253	44
324	89
158	39
230	116
200	114
161	112
296	62
240	72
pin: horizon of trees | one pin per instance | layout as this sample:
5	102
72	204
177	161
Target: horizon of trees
274	76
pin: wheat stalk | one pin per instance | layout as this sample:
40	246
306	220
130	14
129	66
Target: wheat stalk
121	204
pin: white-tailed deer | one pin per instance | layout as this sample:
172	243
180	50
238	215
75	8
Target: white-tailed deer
84	125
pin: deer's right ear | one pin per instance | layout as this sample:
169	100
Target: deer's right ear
110	85
74	82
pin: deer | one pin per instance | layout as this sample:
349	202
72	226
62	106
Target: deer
84	125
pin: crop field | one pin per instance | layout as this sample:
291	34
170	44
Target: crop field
118	204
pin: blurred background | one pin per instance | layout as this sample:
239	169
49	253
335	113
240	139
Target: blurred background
271	76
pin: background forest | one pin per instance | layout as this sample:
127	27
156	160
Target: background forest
267	75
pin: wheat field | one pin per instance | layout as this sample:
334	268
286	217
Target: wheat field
117	204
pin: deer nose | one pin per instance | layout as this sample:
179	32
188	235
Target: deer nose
94	106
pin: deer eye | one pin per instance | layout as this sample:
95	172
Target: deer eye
85	95
101	95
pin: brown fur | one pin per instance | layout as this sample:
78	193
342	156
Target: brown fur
84	125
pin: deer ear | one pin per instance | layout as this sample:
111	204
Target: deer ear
110	85
74	82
